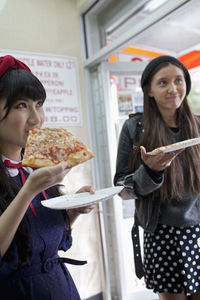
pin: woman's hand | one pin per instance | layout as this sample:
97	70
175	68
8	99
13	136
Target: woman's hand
46	177
87	188
85	209
75	212
160	161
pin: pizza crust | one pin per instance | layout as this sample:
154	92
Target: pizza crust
169	146
162	148
79	157
37	162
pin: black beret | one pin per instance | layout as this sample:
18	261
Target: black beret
162	59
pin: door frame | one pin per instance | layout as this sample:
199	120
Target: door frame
110	212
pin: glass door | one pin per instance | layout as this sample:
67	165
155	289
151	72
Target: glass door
122	96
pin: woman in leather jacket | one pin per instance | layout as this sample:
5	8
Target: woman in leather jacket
166	185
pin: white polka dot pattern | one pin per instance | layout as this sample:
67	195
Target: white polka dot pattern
171	259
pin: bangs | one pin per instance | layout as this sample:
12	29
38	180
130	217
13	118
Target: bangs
19	83
26	85
30	89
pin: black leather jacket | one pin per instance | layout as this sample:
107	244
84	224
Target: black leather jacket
130	133
141	183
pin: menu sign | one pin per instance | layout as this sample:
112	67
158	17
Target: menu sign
59	75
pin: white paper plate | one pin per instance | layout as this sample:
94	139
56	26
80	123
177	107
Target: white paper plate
176	146
81	199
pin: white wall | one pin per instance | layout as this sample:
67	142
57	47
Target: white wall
52	26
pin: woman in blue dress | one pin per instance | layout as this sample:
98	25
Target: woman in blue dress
30	234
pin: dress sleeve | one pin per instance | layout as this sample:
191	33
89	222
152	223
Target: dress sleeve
66	242
67	237
9	262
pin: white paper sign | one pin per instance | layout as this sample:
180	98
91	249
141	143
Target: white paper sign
59	75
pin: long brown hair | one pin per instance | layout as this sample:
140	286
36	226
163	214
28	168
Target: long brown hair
184	171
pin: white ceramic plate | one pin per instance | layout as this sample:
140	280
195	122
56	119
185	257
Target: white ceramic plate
176	146
81	199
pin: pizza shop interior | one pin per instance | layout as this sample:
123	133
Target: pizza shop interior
89	55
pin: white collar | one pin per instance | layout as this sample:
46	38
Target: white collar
14	172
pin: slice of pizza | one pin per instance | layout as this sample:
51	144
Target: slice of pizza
177	146
49	146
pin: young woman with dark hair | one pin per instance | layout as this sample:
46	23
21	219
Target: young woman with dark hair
30	234
166	185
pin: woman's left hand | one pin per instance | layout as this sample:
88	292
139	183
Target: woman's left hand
75	212
85	209
87	188
159	161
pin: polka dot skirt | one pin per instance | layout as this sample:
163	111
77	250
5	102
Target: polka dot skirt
172	259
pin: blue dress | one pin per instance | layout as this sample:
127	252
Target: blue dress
46	276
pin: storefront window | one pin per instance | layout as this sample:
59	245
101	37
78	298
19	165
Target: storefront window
106	21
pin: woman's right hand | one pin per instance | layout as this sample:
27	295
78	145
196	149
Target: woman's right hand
46	177
160	161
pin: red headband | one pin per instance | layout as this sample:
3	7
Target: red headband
9	61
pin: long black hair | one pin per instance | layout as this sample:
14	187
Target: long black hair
16	84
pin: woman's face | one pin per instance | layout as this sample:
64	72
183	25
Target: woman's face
168	88
24	115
